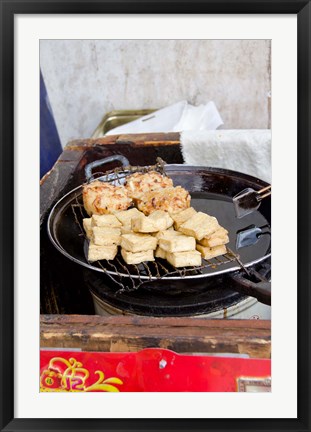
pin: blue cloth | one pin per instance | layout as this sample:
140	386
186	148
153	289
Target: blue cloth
50	145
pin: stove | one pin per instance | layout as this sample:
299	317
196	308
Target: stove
223	303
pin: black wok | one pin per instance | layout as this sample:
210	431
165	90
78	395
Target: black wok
211	191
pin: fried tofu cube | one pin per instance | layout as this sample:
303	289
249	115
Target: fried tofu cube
142	224
97	253
182	217
219	237
137	257
103	236
184	259
106	220
161	220
215	241
138	242
126	230
208	253
125	217
177	243
160	253
221	231
170	231
87	225
199	225
128	227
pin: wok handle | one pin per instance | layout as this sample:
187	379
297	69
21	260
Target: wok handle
89	167
257	286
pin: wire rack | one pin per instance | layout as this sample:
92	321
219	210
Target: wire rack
131	277
117	176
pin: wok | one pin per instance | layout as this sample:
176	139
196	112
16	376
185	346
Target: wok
212	190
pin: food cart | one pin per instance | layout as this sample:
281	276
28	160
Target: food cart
209	350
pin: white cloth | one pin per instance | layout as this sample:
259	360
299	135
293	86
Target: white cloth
174	118
245	151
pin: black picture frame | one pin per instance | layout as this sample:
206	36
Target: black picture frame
8	9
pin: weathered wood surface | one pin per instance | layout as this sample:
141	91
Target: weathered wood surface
55	183
131	334
134	140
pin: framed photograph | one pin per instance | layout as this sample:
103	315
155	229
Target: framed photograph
27	325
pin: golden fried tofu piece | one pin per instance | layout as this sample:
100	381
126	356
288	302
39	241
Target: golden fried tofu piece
142	224
182	216
177	243
97	253
170	199
184	259
139	183
138	242
160	253
219	237
103	236
125	217
87	225
107	220
137	257
208	253
104	198
161	220
199	225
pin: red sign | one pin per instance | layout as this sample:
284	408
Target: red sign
150	370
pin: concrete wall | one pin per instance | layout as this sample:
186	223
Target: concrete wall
85	79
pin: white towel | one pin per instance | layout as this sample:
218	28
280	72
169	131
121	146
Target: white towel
245	151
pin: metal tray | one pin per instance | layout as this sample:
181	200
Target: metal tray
117	118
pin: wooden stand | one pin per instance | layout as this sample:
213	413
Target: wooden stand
67	312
